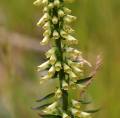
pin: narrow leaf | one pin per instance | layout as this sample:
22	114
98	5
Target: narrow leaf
83	102
41	107
92	111
46	97
83	80
50	116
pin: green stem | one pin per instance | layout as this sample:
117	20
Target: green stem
62	75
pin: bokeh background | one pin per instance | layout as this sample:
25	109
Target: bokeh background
98	30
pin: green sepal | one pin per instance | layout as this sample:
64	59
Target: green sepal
83	80
83	102
93	111
41	107
46	97
50	116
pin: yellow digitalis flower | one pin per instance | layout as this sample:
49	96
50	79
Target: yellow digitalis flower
69	50
66	20
44	79
67	69
63	34
52	59
58	66
79	65
50	52
43	66
73	77
37	3
85	115
46	9
77	53
47	32
65	116
58	93
72	18
55	20
73	64
77	71
47	25
51	71
75	103
60	13
51	5
57	3
55	34
81	87
75	112
72	85
45	40
44	2
65	85
71	40
66	10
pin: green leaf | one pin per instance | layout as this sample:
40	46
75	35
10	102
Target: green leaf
93	111
46	97
50	116
77	61
41	107
83	80
83	102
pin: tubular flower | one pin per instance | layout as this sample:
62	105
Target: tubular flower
51	5
58	93
65	85
47	25
69	50
72	18
72	85
66	20
71	40
45	79
81	87
45	40
45	2
51	107
77	53
73	77
66	10
37	3
79	65
85	115
63	34
75	112
55	34
58	66
55	20
60	13
65	116
77	71
50	52
57	3
67	69
43	66
51	71
47	32
52	59
46	9
75	103
68	29
71	63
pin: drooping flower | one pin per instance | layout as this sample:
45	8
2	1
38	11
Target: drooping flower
50	52
75	103
73	77
46	9
63	33
67	69
64	85
69	50
77	71
71	40
58	93
72	18
85	115
57	3
65	116
43	66
55	34
81	87
77	53
45	2
55	20
66	20
47	32
44	79
71	63
52	59
66	10
47	25
72	85
51	71
79	65
51	5
37	3
45	40
58	66
75	112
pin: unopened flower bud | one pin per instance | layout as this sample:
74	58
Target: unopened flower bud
63	34
58	93
60	13
81	87
77	53
57	3
45	41
58	66
43	66
51	71
67	69
46	9
75	112
72	18
55	20
69	50
72	85
73	64
45	79
85	115
77	71
45	2
51	5
65	85
75	103
52	59
55	34
37	3
73	77
47	32
66	10
50	52
47	25
65	116
66	20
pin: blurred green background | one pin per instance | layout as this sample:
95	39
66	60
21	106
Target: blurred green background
98	30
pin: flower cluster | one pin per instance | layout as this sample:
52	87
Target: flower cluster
55	23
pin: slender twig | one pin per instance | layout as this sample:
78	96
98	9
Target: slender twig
97	66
